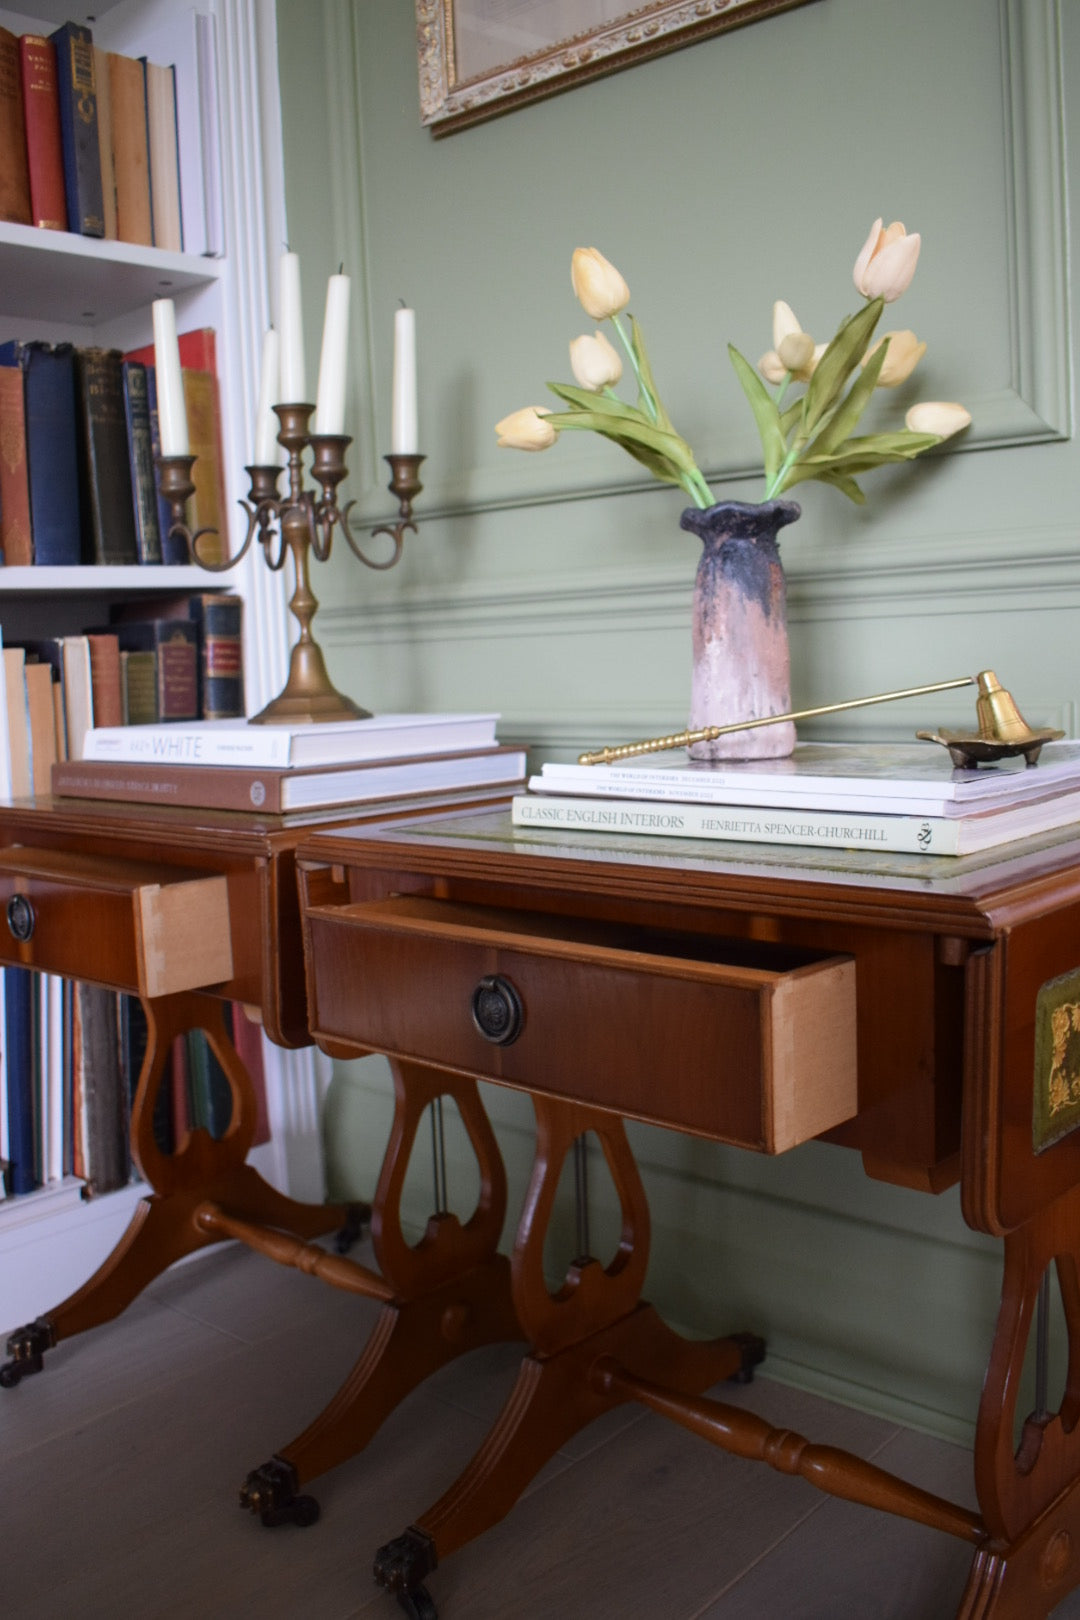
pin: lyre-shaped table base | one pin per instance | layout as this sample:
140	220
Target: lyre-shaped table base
597	1312
595	1345
1030	1496
164	1227
447	1295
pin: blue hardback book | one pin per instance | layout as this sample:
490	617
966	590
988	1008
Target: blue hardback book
52	448
19	1074
79	129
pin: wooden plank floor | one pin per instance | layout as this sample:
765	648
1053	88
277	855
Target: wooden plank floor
120	1467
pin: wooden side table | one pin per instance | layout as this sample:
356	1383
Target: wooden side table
923	1011
187	910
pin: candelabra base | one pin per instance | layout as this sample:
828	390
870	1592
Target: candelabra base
308	695
288	710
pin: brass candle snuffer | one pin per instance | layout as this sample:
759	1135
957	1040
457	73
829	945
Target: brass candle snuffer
303	523
1002	732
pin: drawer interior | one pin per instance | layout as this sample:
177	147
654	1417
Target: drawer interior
148	927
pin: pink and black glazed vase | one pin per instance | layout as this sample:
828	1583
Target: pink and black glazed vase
741	667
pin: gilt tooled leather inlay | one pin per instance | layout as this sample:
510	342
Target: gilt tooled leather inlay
1056	1109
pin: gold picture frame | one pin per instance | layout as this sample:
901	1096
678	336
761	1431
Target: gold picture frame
481	58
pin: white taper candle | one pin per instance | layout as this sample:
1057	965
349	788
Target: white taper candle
291	329
330	399
267	449
172	415
404	431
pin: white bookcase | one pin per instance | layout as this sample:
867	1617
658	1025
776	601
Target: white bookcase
62	287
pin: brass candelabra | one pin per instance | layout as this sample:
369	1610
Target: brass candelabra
300	523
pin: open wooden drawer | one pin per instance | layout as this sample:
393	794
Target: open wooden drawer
746	1042
152	928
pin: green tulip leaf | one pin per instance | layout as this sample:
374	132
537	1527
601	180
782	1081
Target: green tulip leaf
845	484
584	399
846	418
838	362
789	418
884	447
765	412
627	431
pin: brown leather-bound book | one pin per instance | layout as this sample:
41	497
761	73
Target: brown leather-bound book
105	688
44	146
18	726
175	646
104	1109
42	721
106	462
236	787
15	531
131	154
14	173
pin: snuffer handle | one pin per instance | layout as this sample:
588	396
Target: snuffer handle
683	739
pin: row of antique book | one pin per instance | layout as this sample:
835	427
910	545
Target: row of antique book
80	432
183	664
72	1058
91	141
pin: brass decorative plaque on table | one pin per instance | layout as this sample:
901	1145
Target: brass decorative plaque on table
1056	1109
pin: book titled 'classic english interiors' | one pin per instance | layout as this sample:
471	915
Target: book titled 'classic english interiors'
836	829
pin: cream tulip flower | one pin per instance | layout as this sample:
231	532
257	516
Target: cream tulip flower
598	286
938	417
887	261
904	353
793	349
594	362
526	430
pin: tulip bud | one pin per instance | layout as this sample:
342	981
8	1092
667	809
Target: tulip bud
598	286
772	368
904	353
796	351
887	261
784	322
594	362
937	417
793	349
526	430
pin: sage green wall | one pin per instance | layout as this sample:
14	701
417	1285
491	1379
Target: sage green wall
556	588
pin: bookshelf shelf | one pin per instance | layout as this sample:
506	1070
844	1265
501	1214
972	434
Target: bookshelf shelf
82	282
102	580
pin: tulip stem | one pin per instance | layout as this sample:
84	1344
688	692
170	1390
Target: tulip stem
645	390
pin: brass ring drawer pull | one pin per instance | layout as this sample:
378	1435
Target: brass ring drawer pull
20	917
497	1011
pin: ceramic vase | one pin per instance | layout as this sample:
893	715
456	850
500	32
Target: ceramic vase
741	665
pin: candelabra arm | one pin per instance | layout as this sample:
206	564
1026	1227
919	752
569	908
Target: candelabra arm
405	484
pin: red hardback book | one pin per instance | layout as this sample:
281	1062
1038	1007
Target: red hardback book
15	531
106	690
198	350
14	175
41	109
